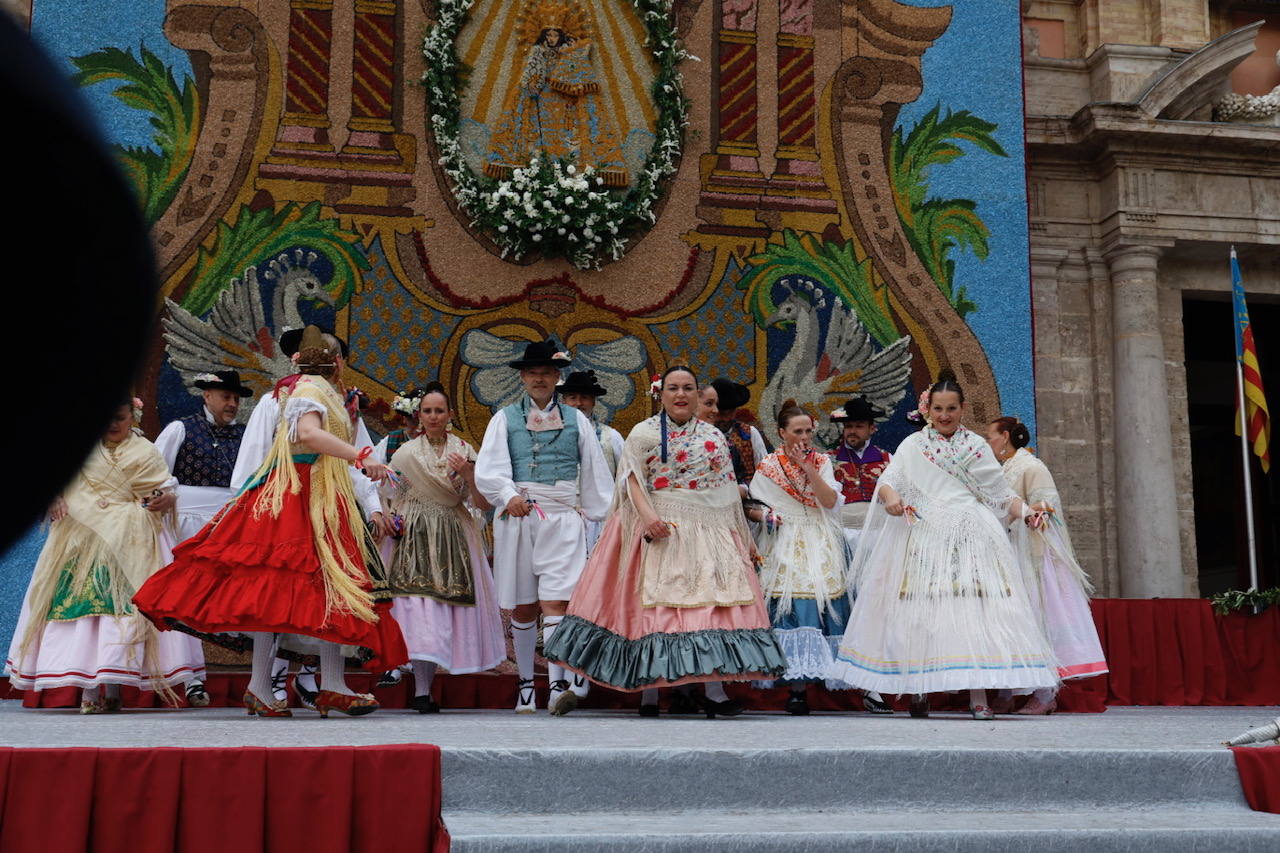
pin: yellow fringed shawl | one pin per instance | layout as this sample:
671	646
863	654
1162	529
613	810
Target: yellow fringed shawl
345	577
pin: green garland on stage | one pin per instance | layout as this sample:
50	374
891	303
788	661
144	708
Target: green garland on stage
552	206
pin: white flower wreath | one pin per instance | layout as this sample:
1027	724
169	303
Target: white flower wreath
552	206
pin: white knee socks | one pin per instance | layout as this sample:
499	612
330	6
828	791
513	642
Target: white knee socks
555	672
977	697
525	638
715	691
333	669
423	672
264	649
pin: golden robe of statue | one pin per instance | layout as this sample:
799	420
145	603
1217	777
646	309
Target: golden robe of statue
554	109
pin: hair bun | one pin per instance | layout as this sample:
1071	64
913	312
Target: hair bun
1020	436
947	375
789	403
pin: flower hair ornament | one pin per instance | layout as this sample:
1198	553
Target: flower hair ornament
407	403
921	414
136	405
655	387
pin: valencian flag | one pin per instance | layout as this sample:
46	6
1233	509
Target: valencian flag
1257	418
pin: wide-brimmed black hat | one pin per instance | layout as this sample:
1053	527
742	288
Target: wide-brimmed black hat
542	354
292	339
222	380
582	382
857	409
730	395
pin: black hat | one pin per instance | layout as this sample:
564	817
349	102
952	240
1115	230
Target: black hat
542	354
582	382
730	396
291	340
857	409
224	380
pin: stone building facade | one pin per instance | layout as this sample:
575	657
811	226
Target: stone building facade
1137	195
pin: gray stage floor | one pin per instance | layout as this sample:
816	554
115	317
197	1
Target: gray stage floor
1149	729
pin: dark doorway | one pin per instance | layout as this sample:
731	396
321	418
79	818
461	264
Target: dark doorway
1218	491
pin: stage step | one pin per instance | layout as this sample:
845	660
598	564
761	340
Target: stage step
900	799
610	780
908	831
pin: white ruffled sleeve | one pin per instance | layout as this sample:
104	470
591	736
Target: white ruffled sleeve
297	406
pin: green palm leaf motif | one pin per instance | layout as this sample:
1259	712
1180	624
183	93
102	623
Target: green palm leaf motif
150	86
259	235
832	264
936	226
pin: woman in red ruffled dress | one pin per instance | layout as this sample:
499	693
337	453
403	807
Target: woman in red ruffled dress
290	554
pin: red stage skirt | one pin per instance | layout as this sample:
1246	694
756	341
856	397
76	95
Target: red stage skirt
243	573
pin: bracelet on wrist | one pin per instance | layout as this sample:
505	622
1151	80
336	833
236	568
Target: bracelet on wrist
361	456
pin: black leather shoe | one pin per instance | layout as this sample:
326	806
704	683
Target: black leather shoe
648	710
424	704
797	705
920	706
727	708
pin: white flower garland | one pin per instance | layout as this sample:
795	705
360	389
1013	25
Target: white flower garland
551	206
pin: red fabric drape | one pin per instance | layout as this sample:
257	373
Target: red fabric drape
1259	768
250	800
1160	651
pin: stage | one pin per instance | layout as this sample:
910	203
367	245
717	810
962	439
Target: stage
1130	778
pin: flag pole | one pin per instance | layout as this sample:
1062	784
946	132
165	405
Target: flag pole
1248	479
1244	451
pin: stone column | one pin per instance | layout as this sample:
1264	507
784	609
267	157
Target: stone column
1149	551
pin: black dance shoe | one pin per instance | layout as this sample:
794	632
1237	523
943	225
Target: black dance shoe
920	706
727	708
649	710
797	705
424	704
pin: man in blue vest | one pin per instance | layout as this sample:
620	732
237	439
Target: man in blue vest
541	467
200	451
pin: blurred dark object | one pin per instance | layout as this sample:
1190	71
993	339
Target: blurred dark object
81	283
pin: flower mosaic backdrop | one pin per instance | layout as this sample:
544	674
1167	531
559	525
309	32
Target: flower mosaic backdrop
751	189
818	200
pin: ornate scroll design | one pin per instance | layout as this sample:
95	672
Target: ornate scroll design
230	45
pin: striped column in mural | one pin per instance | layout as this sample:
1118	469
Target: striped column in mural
735	180
373	80
797	173
305	125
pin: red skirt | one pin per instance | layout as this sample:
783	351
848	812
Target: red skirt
241	574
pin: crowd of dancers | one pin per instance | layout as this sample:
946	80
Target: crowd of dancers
690	552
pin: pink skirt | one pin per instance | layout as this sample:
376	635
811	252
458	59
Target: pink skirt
1068	620
611	639
459	638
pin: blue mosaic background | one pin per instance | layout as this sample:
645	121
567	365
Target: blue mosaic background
992	90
